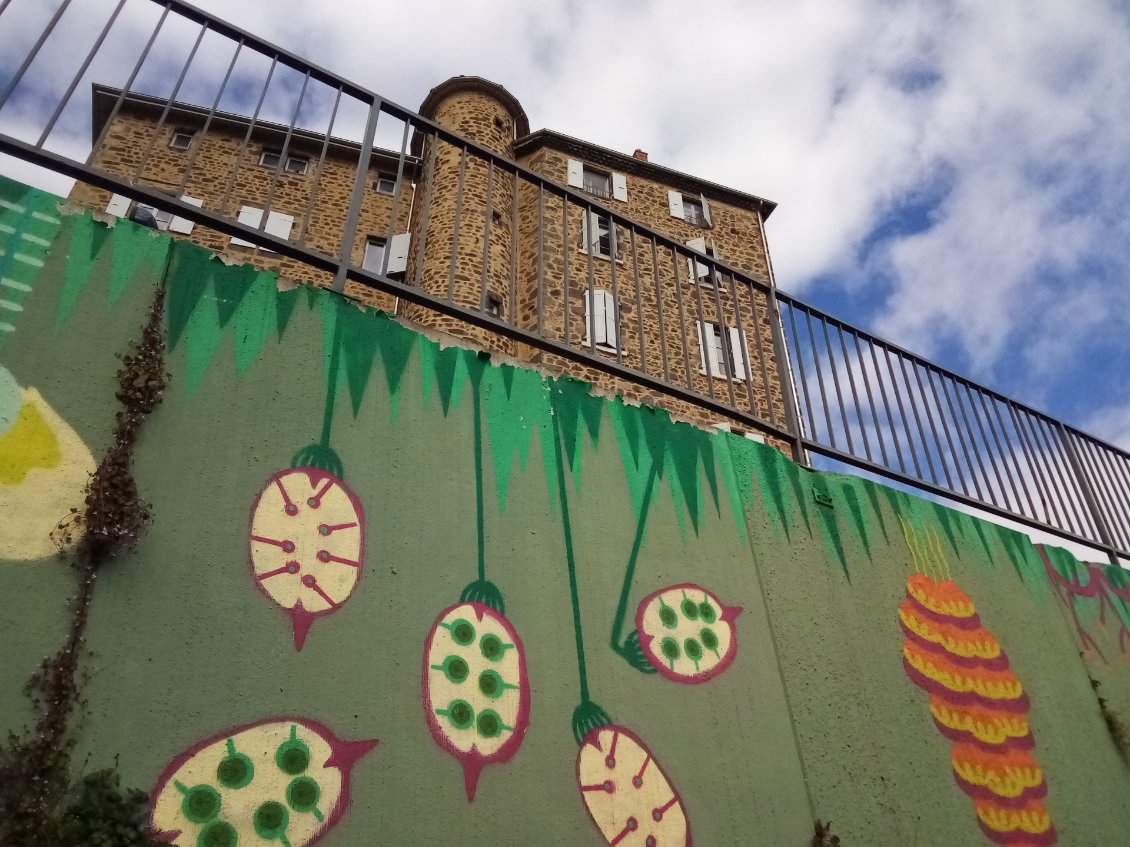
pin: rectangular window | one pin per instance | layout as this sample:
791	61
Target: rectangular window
602	322
721	350
494	305
294	164
597	183
598	237
693	210
374	255
385	184
611	186
699	271
182	139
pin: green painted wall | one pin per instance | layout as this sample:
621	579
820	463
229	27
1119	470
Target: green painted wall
490	484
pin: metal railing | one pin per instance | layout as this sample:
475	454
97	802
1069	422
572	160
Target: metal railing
513	256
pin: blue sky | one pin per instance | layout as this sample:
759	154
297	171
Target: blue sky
951	175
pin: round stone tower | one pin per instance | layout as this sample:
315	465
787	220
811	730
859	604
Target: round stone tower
465	210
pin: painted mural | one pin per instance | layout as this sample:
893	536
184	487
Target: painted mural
976	700
466	638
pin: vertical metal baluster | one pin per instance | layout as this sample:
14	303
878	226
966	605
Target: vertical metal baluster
820	376
683	330
873	346
168	106
727	346
960	429
43	36
1120	477
1098	483
238	159
692	281
1030	465
78	76
615	259
755	319
870	399
1012	454
4	5
397	192
565	262
969	390
541	262
800	364
915	367
917	420
124	91
997	444
488	232
836	384
590	231
902	413
1119	507
432	145
321	170
190	161
639	299
1055	495
1031	453
513	310
840	329
659	309
360	183
945	429
284	153
455	226
1072	483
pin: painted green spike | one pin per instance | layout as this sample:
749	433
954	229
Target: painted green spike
84	252
313	293
134	249
359	341
626	424
507	374
657	429
512	419
706	453
876	510
769	478
254	319
678	497
851	500
202	335
802	490
285	304
826	515
946	519
189	275
450	370
734	486
1007	541
573	406
979	527
230	286
396	344
684	458
428	350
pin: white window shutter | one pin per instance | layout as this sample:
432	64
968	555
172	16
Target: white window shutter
706	348
675	203
398	253
706	210
576	174
611	319
118	206
279	225
586	229
737	355
696	269
594	318
250	216
184	225
619	187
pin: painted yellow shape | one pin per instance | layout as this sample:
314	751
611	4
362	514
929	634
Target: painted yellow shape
686	629
238	805
30	443
44	468
442	691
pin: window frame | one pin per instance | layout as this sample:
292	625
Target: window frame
391	178
290	158
190	134
604	230
597	336
604	192
373	241
716	364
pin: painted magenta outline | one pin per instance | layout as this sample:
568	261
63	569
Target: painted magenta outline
474	762
592	739
729	615
301	619
343	756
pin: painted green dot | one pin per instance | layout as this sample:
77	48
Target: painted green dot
669	616
709	639
218	834
462	632
670	648
460	714
201	803
693	649
690	608
491	645
489	724
491	684
707	612
303	794
455	668
292	757
271	819
235	771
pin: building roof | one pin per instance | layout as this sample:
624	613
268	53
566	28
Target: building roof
103	98
622	162
484	86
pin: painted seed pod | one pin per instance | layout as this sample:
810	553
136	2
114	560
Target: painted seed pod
307	544
284	780
687	633
628	795
476	693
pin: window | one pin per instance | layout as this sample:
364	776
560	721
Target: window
294	164
385	184
494	305
602	322
721	350
374	255
694	210
278	224
598	238
182	139
601	183
151	216
699	271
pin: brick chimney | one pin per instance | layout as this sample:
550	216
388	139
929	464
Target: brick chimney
640	154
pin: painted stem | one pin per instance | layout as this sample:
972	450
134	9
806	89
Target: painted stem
630	571
563	493
479	480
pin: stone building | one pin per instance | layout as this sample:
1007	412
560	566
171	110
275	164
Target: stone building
464	227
